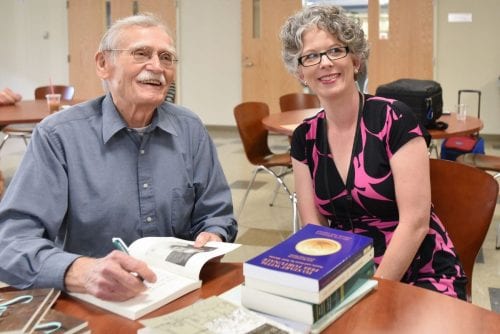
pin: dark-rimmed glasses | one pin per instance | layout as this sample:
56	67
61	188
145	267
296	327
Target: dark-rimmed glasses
314	58
145	54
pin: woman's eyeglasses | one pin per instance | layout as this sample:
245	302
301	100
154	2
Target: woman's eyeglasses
314	58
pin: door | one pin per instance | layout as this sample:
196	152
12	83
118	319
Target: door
407	50
264	77
87	22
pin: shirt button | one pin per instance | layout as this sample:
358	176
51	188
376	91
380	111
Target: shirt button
149	219
145	185
142	152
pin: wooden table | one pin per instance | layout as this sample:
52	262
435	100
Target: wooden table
393	308
26	111
286	122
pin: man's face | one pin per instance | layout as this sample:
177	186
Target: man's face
133	81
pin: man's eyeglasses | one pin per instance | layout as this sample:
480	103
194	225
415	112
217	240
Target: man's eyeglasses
144	54
314	58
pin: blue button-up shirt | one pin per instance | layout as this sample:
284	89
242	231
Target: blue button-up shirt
86	178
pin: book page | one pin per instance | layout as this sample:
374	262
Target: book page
177	255
168	287
213	315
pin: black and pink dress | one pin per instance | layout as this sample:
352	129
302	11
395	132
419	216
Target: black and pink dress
366	203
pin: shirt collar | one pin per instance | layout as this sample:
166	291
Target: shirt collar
113	122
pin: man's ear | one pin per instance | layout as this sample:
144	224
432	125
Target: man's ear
102	65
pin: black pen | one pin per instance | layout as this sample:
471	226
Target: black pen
121	246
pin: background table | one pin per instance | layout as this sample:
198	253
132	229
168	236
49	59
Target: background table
27	111
393	308
286	122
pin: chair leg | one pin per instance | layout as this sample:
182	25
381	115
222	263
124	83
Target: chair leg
498	237
4	140
250	184
433	148
282	172
278	177
25	140
295	218
497	177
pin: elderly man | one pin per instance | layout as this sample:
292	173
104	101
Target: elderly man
123	165
7	96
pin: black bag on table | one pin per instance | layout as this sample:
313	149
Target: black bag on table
424	97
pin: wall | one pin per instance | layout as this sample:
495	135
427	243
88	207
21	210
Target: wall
208	41
34	44
466	54
468	57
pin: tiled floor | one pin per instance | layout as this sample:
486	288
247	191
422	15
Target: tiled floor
262	226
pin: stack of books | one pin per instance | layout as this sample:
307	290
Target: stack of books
312	277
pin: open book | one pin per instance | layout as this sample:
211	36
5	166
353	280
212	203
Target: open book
177	265
213	315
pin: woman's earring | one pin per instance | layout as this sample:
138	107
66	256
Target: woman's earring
304	83
356	71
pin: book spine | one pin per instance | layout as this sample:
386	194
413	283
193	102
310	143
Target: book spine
338	296
346	274
340	269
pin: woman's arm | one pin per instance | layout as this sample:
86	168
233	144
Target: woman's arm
308	212
410	168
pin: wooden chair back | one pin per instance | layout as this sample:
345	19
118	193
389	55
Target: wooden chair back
294	101
464	199
67	92
253	134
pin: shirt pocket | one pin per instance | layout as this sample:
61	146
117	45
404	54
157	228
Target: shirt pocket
182	208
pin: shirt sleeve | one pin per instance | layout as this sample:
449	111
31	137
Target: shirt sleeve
405	126
213	209
31	232
298	145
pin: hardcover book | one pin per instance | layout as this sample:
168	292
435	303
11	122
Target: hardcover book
234	296
177	264
20	310
298	310
357	270
310	258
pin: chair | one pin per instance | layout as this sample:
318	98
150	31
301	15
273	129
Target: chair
484	162
24	130
464	199
295	101
254	137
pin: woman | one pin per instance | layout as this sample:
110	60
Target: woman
361	164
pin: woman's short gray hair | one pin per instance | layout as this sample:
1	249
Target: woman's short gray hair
112	37
329	18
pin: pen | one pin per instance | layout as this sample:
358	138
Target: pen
121	246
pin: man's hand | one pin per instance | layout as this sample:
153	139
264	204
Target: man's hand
205	237
7	96
115	277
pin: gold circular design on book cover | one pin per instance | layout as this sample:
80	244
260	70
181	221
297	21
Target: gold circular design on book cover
318	246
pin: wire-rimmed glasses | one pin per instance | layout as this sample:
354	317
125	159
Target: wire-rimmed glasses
145	54
314	58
